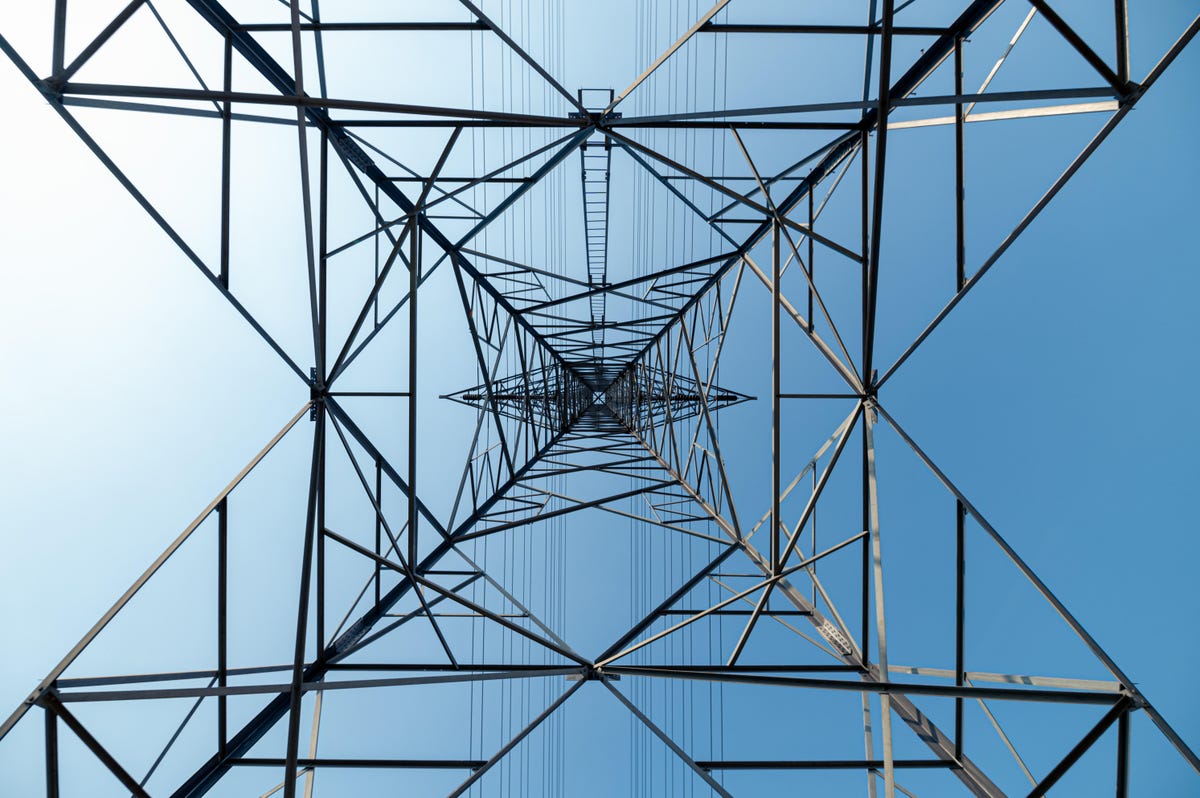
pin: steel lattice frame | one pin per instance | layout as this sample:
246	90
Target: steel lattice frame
616	382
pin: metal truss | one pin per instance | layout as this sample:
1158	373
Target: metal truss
600	394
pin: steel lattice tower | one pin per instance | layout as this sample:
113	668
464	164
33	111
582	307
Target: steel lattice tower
573	260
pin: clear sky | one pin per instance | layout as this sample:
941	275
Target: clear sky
1056	396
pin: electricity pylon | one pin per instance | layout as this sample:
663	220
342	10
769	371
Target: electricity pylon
601	384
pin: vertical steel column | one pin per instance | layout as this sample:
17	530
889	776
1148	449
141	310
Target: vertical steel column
960	278
60	36
378	526
378	225
960	240
323	257
812	265
320	553
960	620
813	541
1123	756
881	128
51	754
322	374
222	621
296	693
1121	9
866	499
414	268
226	135
310	776
885	702
865	576
775	368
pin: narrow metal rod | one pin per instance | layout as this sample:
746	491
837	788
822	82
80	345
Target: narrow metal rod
306	766
51	758
775	368
1121	12
302	609
881	134
323	261
322	332
889	775
378	527
376	27
960	618
902	99
226	165
222	620
320	556
105	696
869	741
174	736
825	30
59	43
818	764
414	269
1123	756
960	246
454	116
310	776
960	277
1009	678
1012	749
865	233
812	255
896	690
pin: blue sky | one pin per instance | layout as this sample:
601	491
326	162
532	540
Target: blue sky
1055	396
